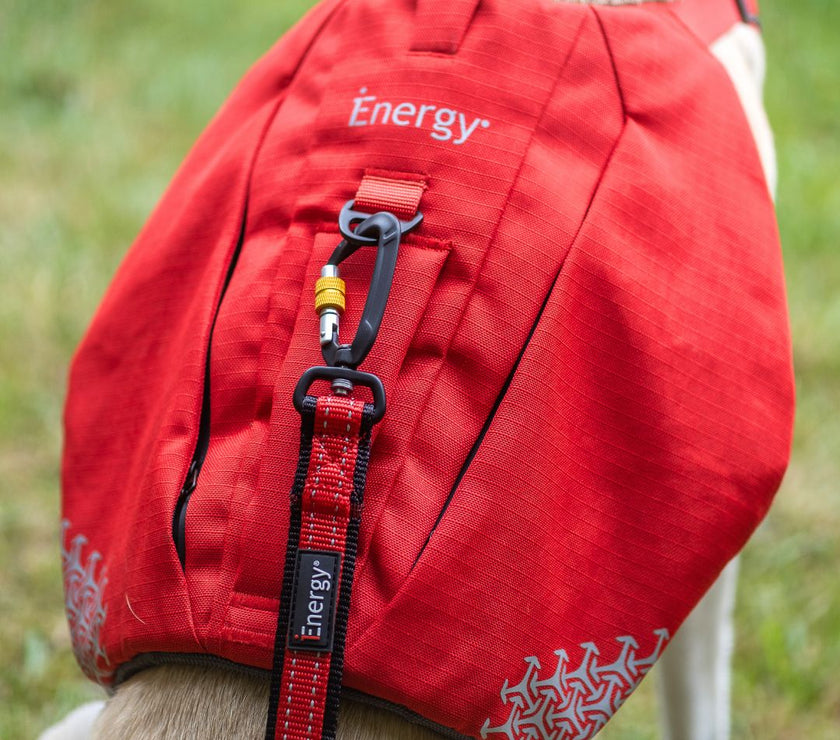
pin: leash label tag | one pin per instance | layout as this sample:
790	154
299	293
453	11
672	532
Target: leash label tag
312	619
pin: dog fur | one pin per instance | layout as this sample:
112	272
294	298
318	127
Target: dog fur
193	703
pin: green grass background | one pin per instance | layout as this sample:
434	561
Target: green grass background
100	100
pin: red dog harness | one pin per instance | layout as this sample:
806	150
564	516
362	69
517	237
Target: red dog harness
560	264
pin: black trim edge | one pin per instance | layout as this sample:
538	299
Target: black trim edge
746	16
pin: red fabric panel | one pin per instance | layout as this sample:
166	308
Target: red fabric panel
710	19
595	294
479	318
397	192
441	28
131	417
635	407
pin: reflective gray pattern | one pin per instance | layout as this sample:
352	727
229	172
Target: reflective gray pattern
574	702
83	592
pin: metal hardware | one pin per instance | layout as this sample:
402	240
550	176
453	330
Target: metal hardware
349	219
383	230
338	374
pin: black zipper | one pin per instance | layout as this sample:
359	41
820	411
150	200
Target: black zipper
179	515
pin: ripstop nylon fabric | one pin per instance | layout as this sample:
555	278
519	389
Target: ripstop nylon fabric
597	281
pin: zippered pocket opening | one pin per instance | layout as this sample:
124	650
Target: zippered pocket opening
179	514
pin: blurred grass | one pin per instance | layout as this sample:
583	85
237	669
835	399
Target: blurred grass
99	101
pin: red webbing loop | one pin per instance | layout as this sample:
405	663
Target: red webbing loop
396	192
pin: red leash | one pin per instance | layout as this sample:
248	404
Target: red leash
326	507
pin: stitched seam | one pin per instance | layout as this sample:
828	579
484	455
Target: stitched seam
408	581
611	57
315	679
289	698
203	639
233	545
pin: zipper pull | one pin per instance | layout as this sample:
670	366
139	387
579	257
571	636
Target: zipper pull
179	516
192	479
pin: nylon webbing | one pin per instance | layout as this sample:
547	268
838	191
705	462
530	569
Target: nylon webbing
396	192
321	553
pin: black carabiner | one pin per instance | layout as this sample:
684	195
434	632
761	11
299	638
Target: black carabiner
383	230
349	219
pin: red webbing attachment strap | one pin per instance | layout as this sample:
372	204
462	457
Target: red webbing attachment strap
397	192
315	602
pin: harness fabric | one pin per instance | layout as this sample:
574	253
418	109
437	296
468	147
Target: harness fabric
585	350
